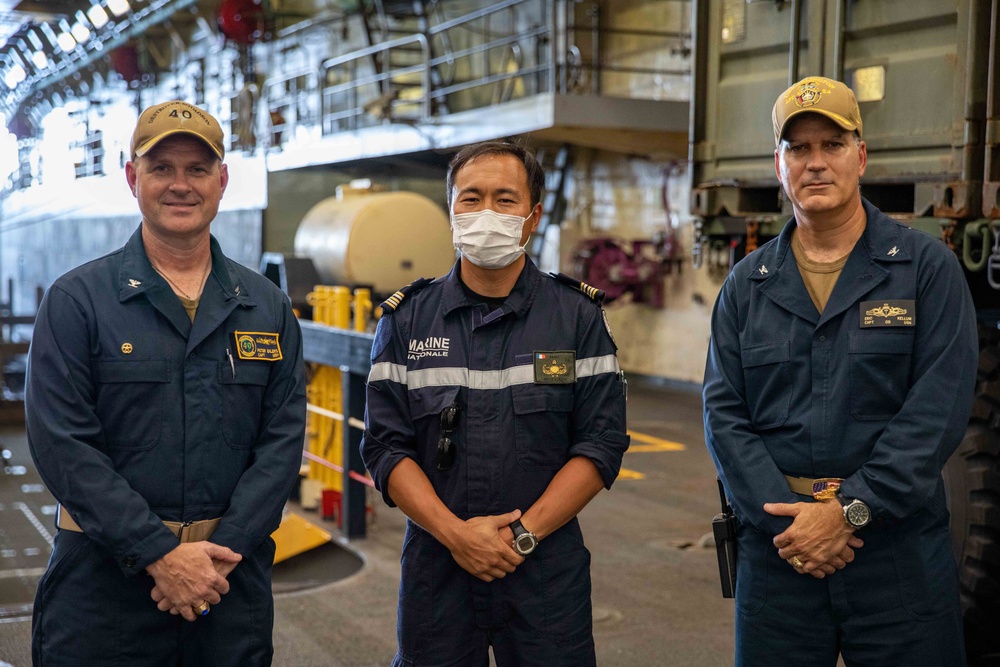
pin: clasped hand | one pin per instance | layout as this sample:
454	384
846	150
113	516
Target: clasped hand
819	542
192	573
483	546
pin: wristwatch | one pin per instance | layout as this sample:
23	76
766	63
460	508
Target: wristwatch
524	540
856	513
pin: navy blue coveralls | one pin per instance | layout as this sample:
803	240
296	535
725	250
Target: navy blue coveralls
514	435
789	391
135	416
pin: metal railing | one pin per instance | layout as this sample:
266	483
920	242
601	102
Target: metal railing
354	88
505	51
289	103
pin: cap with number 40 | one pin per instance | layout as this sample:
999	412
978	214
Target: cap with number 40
176	117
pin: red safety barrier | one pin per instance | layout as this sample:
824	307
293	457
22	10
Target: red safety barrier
357	477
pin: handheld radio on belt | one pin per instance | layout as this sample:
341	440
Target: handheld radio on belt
724	528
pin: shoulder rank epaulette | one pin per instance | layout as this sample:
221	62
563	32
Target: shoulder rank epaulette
592	292
392	303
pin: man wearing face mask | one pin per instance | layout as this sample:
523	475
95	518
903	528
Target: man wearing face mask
496	412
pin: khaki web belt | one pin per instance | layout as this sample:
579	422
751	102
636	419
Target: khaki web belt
188	531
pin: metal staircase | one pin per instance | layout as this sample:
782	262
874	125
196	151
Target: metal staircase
556	162
399	69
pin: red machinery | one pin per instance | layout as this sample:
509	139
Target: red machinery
242	21
618	267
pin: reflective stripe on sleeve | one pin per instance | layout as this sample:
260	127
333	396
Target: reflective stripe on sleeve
386	371
596	365
488	380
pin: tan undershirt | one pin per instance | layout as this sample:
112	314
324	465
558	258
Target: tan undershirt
190	305
819	277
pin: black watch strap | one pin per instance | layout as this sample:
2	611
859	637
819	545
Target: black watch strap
518	529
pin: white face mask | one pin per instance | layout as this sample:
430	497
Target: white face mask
488	239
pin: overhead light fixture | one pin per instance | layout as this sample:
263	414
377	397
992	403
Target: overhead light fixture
14	76
15	54
67	42
98	17
35	40
81	29
49	34
40	60
81	33
118	7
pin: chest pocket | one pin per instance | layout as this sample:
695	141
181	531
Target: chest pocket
879	366
768	383
242	399
426	406
131	400
542	425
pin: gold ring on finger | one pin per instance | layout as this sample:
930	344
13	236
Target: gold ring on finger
202	609
794	560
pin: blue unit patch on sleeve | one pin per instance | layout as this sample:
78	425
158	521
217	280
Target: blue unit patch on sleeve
257	345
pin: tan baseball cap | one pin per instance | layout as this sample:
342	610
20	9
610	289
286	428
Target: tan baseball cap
817	94
176	117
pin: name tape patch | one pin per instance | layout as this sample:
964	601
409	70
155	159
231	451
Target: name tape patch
555	367
891	313
257	345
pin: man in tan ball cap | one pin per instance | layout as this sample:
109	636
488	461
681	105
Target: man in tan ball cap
839	380
165	412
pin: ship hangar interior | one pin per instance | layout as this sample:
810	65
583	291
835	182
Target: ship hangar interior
651	120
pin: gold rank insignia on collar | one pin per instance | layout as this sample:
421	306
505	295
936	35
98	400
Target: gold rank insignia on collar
392	303
593	293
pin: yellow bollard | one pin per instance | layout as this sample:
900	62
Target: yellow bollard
331	300
362	308
317	300
340	306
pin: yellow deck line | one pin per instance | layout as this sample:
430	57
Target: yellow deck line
653	444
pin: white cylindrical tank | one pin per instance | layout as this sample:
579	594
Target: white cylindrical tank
382	239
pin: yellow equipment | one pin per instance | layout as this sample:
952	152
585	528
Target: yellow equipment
295	535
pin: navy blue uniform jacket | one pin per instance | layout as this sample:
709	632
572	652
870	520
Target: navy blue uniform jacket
514	435
791	392
136	416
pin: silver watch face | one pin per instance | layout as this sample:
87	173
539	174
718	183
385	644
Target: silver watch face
858	514
525	544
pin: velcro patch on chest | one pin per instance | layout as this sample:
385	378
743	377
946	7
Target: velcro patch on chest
257	345
888	313
557	367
